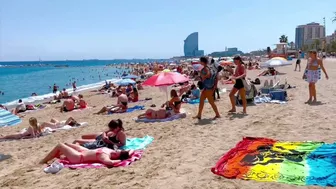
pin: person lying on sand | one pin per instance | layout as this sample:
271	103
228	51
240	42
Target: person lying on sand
34	130
113	138
155	114
77	154
121	106
269	71
54	123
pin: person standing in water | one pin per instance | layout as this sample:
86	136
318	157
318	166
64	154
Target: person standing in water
55	88
239	75
74	87
313	73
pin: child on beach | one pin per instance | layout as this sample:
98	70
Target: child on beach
34	130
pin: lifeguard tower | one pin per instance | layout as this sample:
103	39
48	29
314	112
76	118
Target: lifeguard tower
281	50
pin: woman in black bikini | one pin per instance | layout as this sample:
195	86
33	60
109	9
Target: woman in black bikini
174	104
114	137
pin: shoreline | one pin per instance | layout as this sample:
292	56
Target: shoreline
40	99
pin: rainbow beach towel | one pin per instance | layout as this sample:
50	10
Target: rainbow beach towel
268	160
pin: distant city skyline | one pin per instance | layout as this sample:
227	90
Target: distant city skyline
85	29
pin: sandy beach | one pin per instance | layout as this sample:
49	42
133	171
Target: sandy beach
184	150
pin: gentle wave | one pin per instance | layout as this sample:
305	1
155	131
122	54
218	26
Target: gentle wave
33	99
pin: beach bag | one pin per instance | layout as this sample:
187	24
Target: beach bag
247	85
30	107
209	83
98	143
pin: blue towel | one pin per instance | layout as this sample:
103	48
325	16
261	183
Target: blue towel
8	119
137	143
195	101
132	109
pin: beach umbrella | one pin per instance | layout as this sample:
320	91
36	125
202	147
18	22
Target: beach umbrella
165	79
275	62
130	77
125	82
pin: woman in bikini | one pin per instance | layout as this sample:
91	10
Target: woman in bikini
54	123
239	76
167	109
174	104
208	81
34	130
77	154
121	106
114	136
312	74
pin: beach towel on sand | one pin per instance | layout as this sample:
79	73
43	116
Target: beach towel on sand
195	101
8	119
262	159
132	109
131	144
171	118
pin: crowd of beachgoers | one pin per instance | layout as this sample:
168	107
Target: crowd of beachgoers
195	82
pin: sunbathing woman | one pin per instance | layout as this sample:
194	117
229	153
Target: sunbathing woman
34	130
174	104
54	123
114	136
77	154
121	106
134	96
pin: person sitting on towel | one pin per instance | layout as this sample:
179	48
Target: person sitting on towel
114	137
20	107
134	95
174	105
121	106
68	105
34	130
77	154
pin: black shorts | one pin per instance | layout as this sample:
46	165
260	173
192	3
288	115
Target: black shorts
239	84
124	103
298	61
65	109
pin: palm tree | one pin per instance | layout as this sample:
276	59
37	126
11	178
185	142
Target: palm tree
283	39
312	45
334	18
291	44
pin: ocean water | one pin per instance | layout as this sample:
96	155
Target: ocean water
18	80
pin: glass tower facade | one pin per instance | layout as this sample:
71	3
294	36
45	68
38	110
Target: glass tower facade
191	46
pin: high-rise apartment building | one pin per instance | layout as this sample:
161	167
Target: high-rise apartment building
305	34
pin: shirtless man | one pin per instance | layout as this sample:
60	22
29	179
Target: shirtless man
68	105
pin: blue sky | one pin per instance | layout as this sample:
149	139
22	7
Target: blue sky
107	29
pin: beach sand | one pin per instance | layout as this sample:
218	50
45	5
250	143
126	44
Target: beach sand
183	151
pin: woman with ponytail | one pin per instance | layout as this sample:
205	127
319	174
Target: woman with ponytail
113	138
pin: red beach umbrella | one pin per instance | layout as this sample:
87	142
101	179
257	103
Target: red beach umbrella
165	79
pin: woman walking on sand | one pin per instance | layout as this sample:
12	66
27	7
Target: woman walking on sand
239	75
208	77
313	73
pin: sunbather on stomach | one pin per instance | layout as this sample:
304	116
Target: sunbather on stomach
77	154
34	130
114	136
